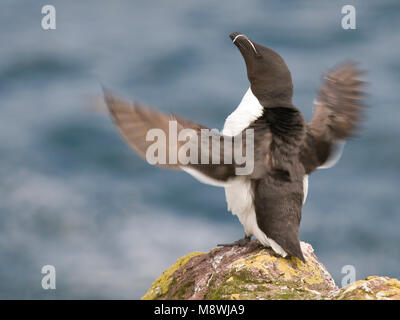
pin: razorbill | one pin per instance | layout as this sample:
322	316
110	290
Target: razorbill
267	200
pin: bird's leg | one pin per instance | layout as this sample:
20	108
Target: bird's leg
241	242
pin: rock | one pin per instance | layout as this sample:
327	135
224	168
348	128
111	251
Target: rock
372	288
256	272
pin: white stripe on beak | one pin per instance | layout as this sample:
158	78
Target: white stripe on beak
242	35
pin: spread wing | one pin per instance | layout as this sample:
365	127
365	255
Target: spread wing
178	139
338	114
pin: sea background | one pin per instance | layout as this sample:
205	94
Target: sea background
73	195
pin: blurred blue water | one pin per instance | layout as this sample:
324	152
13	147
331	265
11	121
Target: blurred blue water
73	195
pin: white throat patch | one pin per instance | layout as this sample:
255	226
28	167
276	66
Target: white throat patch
248	110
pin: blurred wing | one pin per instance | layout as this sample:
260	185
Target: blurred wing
134	121
338	113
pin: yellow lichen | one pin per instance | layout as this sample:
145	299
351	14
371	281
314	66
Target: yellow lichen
389	293
373	287
287	270
161	284
371	278
393	283
313	274
258	261
262	261
235	296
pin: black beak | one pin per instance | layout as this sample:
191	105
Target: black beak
243	43
233	35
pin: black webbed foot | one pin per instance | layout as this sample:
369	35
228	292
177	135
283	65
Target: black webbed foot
241	242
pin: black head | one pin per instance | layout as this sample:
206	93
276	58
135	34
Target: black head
268	73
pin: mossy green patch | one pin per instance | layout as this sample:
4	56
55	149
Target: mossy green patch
243	285
163	283
183	289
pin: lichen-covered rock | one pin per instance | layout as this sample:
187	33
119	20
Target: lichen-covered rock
168	279
249	272
372	288
256	272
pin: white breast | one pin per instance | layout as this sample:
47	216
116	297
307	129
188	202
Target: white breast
305	188
247	111
239	197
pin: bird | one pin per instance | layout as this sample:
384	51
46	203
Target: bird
268	199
